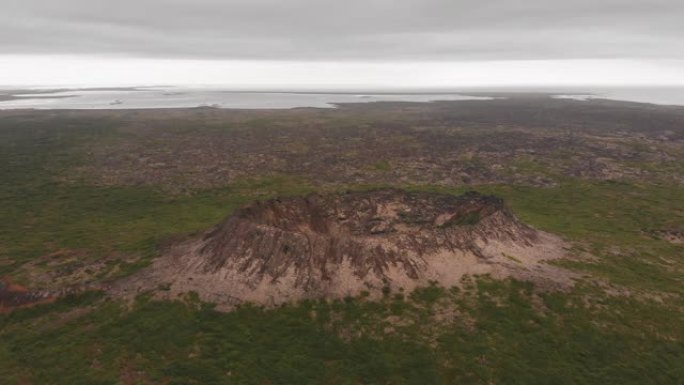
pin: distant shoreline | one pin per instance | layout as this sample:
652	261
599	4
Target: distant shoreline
176	97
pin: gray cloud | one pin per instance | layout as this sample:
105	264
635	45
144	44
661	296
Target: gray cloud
347	30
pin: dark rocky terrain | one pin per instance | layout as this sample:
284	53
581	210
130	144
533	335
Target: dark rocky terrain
522	140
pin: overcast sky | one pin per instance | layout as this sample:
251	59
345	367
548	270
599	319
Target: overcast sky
382	40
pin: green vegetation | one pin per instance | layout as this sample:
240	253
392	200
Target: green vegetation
528	164
499	333
485	332
489	332
381	166
468	219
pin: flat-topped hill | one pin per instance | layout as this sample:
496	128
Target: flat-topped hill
331	246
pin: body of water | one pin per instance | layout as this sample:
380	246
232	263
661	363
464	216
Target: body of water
654	95
183	98
174	97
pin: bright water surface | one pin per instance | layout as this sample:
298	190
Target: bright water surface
175	97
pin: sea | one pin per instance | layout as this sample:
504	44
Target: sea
186	97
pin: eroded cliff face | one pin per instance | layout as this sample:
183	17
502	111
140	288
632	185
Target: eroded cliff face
338	245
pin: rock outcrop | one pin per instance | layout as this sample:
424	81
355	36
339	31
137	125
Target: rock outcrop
339	245
14	296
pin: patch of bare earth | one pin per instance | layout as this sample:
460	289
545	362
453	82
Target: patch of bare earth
68	271
14	296
670	235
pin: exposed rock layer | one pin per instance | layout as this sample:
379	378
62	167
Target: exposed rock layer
338	245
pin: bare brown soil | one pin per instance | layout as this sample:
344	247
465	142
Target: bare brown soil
13	296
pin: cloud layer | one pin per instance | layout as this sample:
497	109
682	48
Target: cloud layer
69	71
351	30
